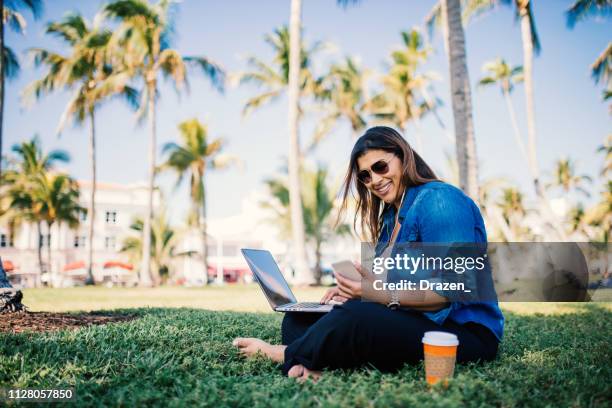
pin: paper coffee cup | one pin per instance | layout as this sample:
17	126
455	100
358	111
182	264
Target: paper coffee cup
440	349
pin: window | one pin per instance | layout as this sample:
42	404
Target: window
79	241
111	217
5	241
110	242
83	216
44	241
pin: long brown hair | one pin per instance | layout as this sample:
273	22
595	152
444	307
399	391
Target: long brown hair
414	172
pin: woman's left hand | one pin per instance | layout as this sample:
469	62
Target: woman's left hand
350	288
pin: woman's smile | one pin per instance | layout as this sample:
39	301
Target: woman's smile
384	188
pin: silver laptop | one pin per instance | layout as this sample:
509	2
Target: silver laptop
274	285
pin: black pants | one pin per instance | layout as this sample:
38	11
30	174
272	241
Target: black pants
357	334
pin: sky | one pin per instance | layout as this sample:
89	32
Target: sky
571	119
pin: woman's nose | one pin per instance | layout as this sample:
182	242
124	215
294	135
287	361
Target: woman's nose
376	179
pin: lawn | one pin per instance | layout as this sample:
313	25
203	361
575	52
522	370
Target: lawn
552	355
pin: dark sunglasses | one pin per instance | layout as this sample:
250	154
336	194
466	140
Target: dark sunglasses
380	167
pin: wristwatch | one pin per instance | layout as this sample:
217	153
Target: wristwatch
394	303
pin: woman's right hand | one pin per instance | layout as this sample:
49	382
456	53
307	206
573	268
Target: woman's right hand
333	294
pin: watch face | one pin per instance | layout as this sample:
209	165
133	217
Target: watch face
393	305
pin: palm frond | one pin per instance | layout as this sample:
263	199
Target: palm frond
14	20
224	160
11	63
75	109
259	100
171	64
127	9
72	28
583	9
346	3
212	70
601	69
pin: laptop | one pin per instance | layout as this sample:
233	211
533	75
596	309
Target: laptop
275	287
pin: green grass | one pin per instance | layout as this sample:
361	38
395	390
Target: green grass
239	298
178	357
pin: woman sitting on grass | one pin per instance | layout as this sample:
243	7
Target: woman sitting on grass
399	200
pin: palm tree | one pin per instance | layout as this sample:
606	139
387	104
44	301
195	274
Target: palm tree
19	187
56	199
31	166
9	64
143	41
600	216
290	71
502	74
191	159
164	243
513	212
303	274
601	69
490	208
405	96
566	178
606	149
318	205
576	218
531	44
88	73
273	77
461	97
344	90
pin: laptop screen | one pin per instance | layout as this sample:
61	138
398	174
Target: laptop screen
268	275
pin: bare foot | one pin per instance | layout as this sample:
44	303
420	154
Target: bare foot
301	373
250	346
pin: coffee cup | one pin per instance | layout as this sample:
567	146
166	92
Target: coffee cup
440	350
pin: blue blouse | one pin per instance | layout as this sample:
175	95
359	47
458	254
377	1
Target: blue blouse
440	212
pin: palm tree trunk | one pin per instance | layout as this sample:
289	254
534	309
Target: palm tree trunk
92	203
461	98
39	252
145	267
49	251
205	237
1	77
517	133
528	79
303	274
318	268
545	208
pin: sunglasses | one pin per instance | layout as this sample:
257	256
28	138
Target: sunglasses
380	167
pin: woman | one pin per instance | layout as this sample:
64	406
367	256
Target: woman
399	200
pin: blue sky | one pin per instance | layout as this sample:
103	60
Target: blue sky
571	118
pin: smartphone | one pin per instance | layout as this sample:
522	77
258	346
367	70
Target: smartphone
347	270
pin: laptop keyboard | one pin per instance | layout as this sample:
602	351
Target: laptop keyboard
306	305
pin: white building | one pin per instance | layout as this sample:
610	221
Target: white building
116	207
